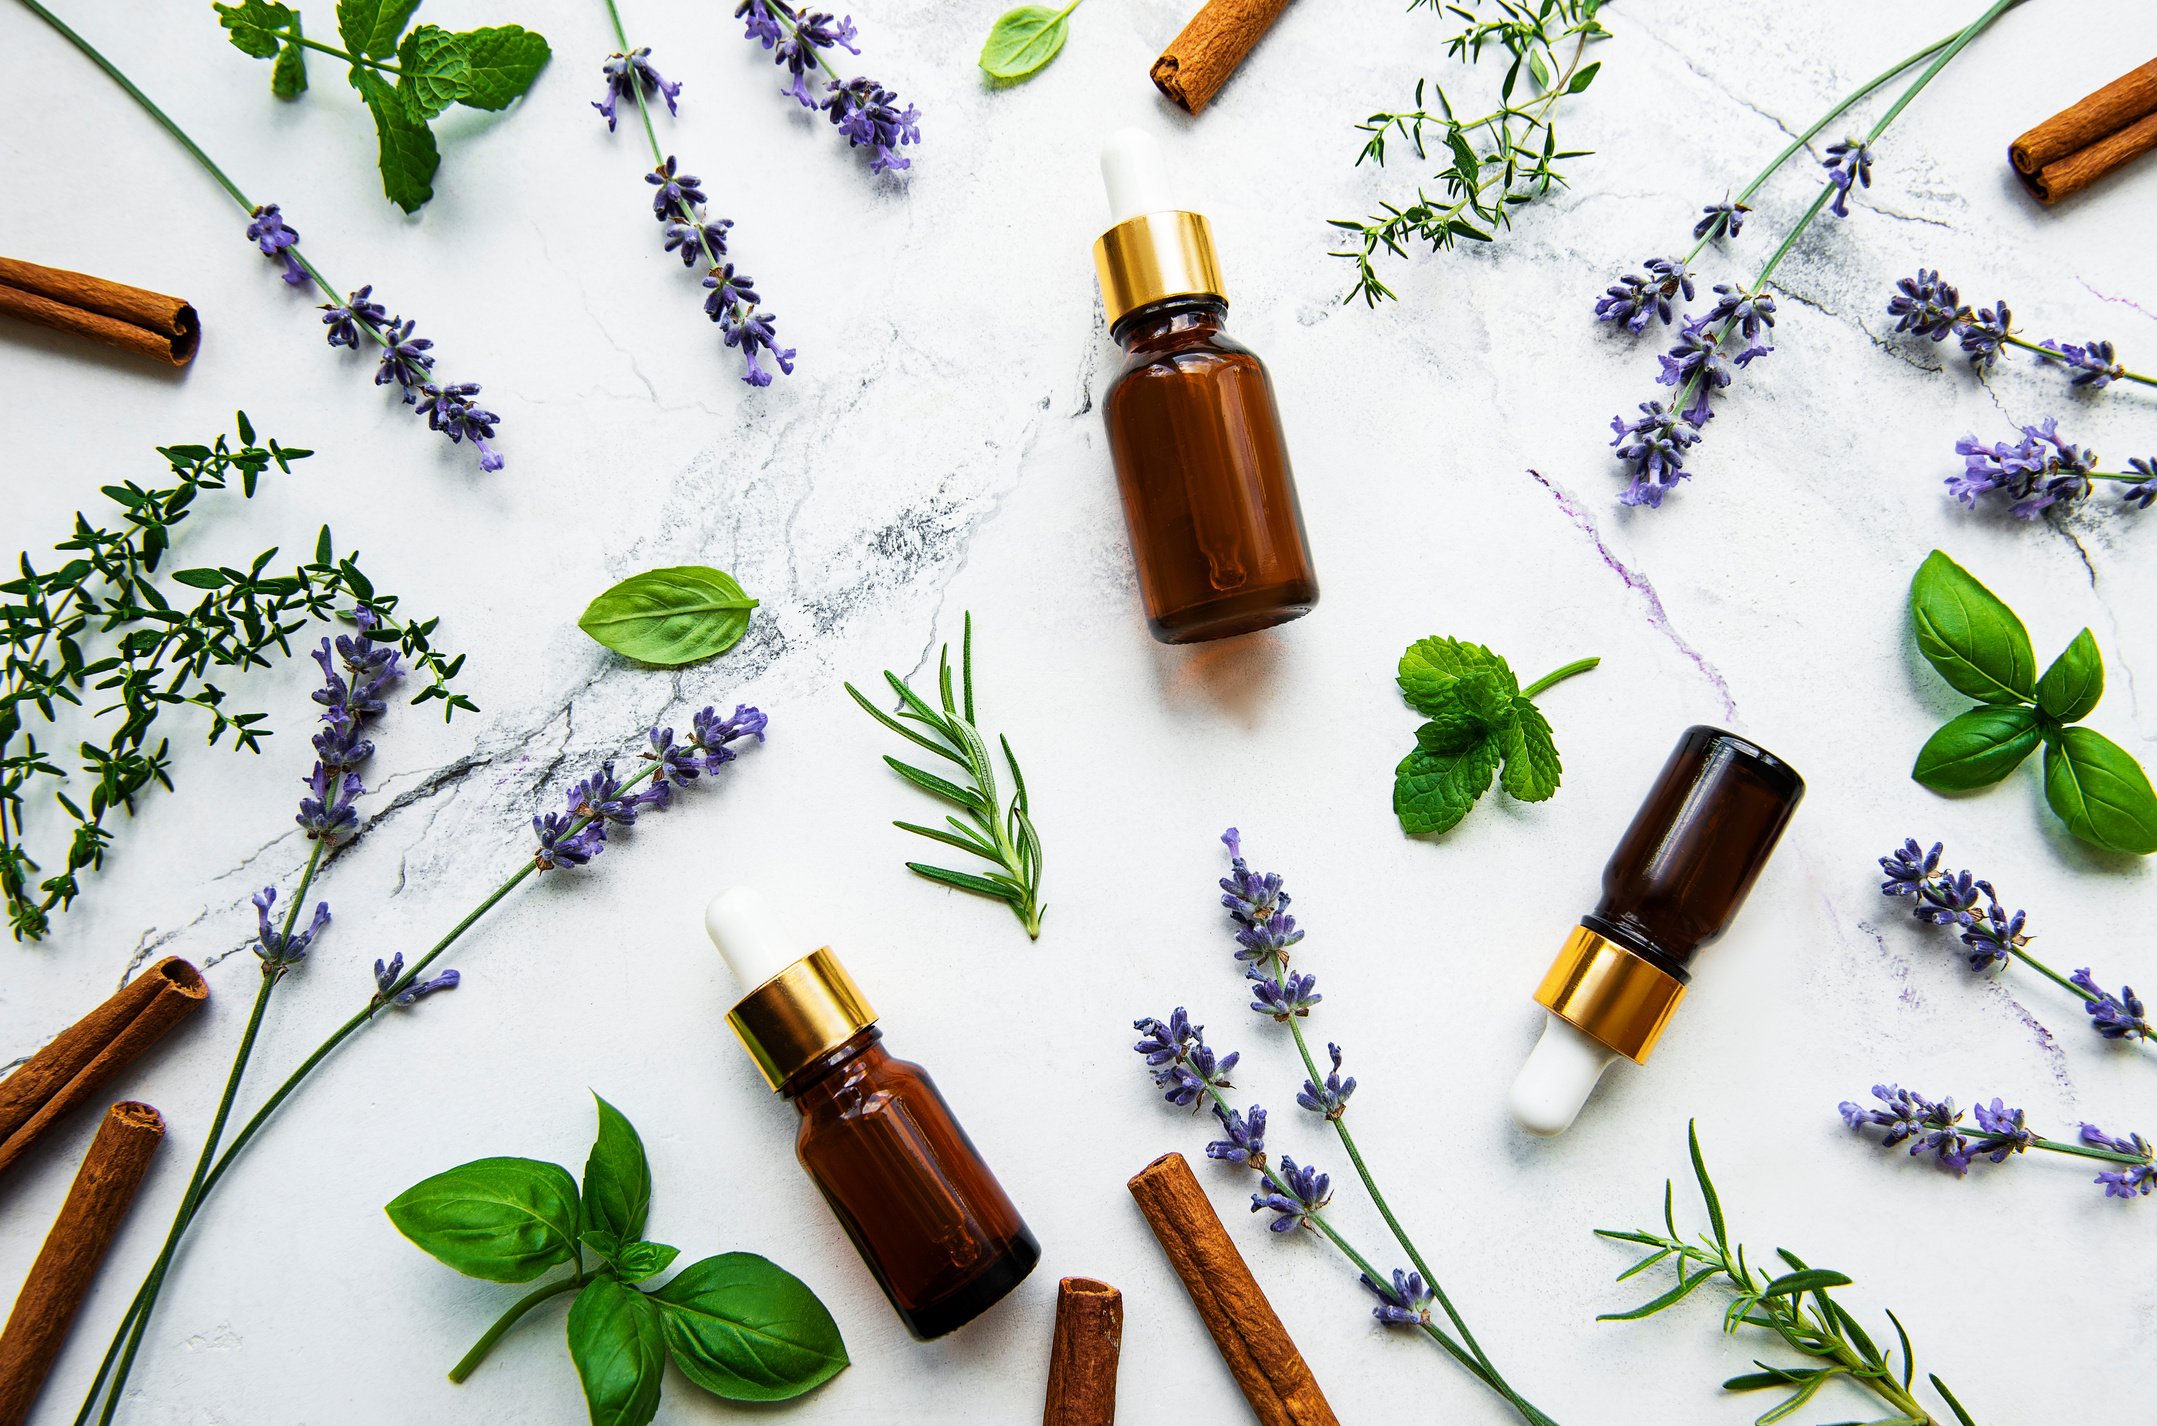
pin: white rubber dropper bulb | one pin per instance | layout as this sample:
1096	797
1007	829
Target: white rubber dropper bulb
1559	1075
752	940
1136	175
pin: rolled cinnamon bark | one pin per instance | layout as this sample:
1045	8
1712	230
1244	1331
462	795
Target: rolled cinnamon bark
1274	1377
133	318
1199	61
2081	144
90	1052
60	1278
1082	1362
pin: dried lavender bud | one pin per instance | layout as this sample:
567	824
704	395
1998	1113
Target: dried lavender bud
2116	1017
626	73
1696	364
1183	1064
1245	1141
1720	220
1331	1098
863	111
1927	306
2040	470
1846	163
1406	1303
270	233
1654	444
2132	1179
404	359
1637	298
2095	365
1257	905
277	949
1294	1194
345	322
2143	491
1984	332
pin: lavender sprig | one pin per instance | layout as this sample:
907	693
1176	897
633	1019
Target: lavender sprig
2042	470
1933	308
863	110
1995	936
1936	1127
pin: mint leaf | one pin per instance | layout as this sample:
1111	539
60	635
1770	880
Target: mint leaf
2071	687
1531	755
406	152
371	27
1430	666
432	71
1023	40
288	77
1969	635
1977	748
1437	784
504	60
2101	792
256	27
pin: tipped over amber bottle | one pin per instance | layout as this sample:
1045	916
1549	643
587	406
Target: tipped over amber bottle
1216	532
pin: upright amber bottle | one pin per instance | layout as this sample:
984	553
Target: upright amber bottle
1675	883
1208	497
936	1229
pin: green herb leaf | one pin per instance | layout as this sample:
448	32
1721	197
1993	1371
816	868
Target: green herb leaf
505	1220
433	70
1969	635
1707	1187
747	1330
199	578
1023	40
2101	792
1677	1294
1532	768
1584	78
1977	748
671	616
1429	668
620	1351
405	150
256	28
639	1261
504	61
617	1178
1947	1396
2074	683
371	27
1437	785
288	77
1808	1280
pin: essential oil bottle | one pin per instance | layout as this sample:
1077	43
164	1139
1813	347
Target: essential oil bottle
934	1226
1216	532
1675	883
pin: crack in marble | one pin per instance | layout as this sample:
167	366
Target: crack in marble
1658	616
1685	58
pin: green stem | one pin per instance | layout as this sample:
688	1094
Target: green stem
2119	373
471	1360
2049	973
1940	62
2086	1151
348	58
1559	675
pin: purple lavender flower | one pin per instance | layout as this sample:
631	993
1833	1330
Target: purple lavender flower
1720	220
1295	1193
795	40
278	950
345	323
700	240
1695	364
326	813
385	980
713	733
562	843
1927	306
679	763
2002	1131
1331	1098
1654	444
626	74
732	305
2116	1017
1846	163
2128	1180
1257	905
1294	994
677	190
1637	298
574	836
599	798
1907	1115
2143	491
1749	311
1244	1144
270	233
1984	334
2040	470
452	411
2095	365
405	359
1406	1302
1183	1064
866	113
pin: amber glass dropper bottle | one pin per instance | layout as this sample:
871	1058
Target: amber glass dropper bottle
1216	532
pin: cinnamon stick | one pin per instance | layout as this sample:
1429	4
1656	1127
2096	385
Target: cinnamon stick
1199	61
2081	144
132	318
77	1065
1082	1362
60	1278
1274	1377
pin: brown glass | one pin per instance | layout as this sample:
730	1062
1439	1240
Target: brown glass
1695	847
925	1213
1207	493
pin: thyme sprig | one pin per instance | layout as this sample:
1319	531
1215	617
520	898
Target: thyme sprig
1499	160
1794	1305
1002	836
98	631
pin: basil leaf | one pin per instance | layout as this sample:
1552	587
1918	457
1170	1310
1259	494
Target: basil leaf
2101	792
432	70
2074	683
505	1220
639	1261
1977	748
615	1340
1023	40
1437	784
1531	755
1974	640
745	1329
255	26
405	150
1429	668
505	59
371	27
617	1178
670	617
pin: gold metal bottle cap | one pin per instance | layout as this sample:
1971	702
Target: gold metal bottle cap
1608	993
1153	256
800	1015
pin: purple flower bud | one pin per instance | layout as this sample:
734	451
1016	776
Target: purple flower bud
1846	163
270	233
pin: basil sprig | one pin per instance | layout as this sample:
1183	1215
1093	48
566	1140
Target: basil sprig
1980	647
736	1325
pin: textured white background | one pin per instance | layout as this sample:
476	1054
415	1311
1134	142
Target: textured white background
940	450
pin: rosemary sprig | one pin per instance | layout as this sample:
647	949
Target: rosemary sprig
1005	838
1794	1305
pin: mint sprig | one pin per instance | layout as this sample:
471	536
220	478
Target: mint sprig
1482	722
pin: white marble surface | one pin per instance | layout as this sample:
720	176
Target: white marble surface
939	451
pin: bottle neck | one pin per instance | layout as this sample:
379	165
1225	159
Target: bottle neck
1170	317
818	1070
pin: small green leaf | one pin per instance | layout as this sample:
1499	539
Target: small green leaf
1540	70
505	1220
670	617
199	578
1808	1280
1584	78
1437	784
1671	1298
256	27
504	61
747	1330
1977	748
967	881
1532	768
2074	683
1949	1397
639	1261
620	1351
405	151
1429	667
1969	635
930	782
371	27
288	77
1707	1188
432	71
2101	792
1023	40
617	1178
